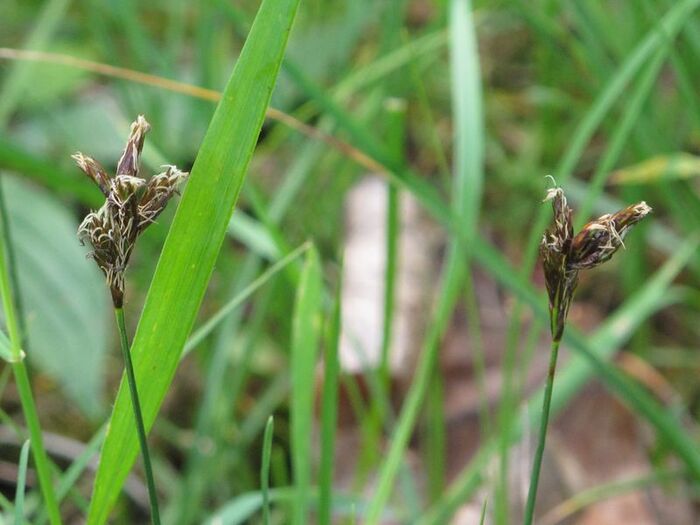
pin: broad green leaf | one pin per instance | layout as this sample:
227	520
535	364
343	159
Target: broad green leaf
193	243
676	166
306	325
64	296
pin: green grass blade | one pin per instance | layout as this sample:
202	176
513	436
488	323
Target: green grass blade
395	111
194	241
21	483
242	508
629	118
329	413
605	491
202	332
483	512
304	346
265	469
467	109
467	194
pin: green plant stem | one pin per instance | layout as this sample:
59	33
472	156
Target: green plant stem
537	464
24	390
140	428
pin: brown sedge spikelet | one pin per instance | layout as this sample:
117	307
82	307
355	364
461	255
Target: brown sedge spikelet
565	254
131	204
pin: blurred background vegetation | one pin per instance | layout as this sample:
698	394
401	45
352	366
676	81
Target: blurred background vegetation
603	95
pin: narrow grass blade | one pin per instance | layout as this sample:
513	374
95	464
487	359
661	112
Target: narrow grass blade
254	235
304	347
193	242
21	483
622	132
468	179
241	509
468	115
202	332
265	469
599	493
395	112
329	412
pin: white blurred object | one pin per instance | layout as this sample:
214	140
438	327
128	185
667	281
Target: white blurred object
364	278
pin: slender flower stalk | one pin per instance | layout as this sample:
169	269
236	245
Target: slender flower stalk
41	461
140	428
131	205
563	256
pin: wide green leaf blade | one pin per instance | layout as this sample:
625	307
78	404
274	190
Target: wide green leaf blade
193	242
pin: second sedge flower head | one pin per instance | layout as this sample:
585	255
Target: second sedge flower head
564	253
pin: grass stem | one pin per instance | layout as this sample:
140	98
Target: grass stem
140	428
24	390
537	464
